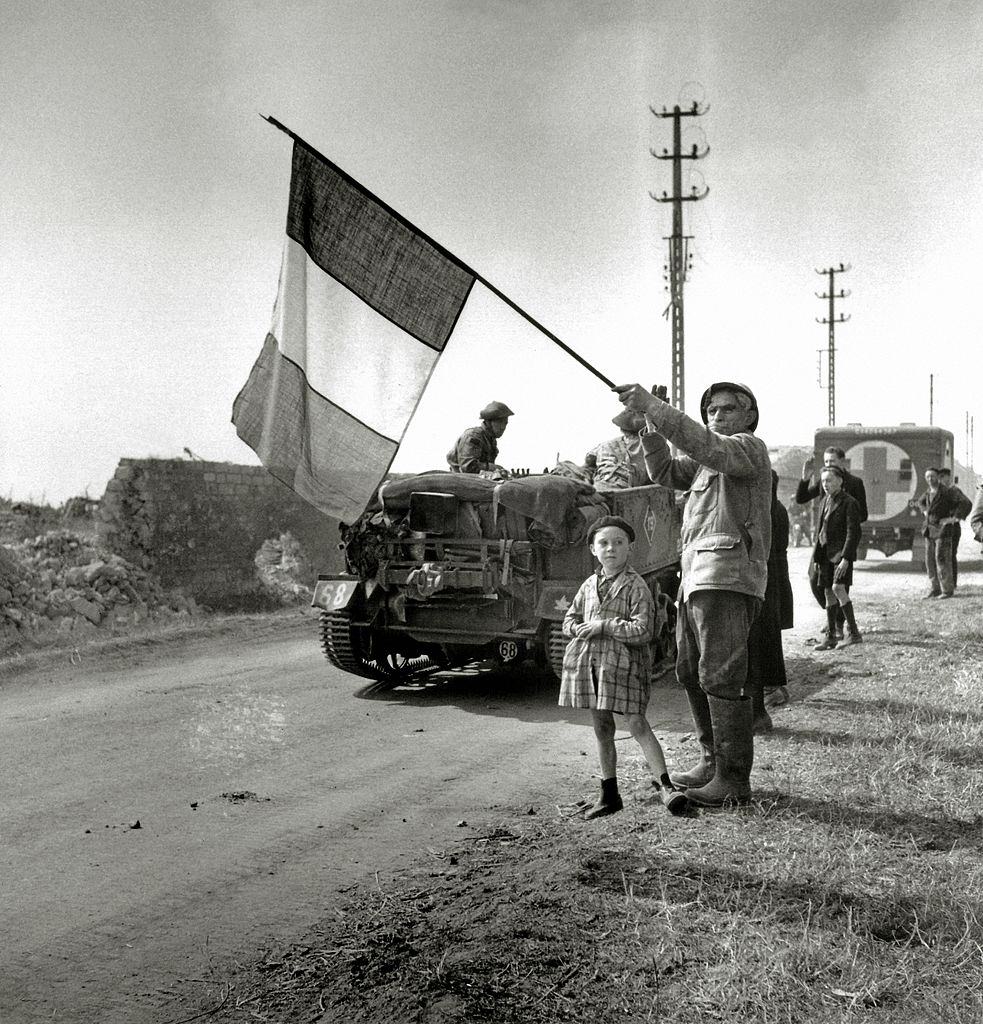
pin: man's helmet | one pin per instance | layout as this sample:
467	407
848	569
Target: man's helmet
727	385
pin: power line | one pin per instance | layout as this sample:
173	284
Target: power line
679	258
832	319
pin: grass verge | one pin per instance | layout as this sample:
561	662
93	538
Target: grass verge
851	889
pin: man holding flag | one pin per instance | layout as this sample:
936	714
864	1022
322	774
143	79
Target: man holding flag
726	540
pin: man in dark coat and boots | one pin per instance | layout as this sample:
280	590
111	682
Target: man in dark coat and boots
809	489
945	477
766	658
476	450
726	541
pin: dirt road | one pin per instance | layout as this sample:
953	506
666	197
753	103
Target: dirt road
262	780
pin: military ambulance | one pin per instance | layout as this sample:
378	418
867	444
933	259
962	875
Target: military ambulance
891	461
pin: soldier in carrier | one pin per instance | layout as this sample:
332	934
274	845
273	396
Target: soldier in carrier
476	450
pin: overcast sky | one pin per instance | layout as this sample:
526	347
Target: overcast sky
144	206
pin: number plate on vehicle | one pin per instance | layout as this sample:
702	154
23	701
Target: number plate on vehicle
508	650
332	595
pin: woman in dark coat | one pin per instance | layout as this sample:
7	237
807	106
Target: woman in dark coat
766	659
833	557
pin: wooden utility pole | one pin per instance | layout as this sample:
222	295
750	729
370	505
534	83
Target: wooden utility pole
931	399
832	319
679	260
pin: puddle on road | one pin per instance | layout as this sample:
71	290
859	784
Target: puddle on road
236	726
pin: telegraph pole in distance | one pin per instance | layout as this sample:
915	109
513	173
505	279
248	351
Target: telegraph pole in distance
931	399
678	249
832	319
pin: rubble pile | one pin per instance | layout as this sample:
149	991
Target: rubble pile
282	568
62	581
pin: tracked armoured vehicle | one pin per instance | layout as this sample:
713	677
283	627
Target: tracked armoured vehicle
446	569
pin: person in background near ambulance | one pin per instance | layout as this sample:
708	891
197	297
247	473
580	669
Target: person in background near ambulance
620	462
766	656
476	450
810	488
943	507
976	515
945	477
834	555
726	540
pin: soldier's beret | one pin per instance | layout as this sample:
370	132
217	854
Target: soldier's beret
496	411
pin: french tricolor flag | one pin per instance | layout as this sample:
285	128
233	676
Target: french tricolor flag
366	305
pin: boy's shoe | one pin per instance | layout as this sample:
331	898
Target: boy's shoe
943	596
604	806
930	595
675	801
827	645
852	638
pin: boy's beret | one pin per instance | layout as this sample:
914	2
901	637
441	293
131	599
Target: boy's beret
610	521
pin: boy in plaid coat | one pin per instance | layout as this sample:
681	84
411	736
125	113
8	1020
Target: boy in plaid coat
608	661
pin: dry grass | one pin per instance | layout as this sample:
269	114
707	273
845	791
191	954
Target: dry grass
850	890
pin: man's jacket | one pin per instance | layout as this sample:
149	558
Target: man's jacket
620	464
726	532
839	520
475	450
976	515
947	503
853	486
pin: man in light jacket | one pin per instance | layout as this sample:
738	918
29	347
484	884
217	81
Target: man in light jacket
976	515
726	539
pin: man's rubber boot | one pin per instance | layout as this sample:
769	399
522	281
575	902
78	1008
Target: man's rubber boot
702	772
609	802
733	745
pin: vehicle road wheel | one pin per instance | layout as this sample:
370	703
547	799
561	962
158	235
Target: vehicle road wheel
346	647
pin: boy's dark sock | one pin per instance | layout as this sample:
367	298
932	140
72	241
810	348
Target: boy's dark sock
831	620
609	802
851	619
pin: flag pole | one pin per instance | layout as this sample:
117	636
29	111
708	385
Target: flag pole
478	277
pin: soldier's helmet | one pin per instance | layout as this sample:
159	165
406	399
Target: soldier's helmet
727	385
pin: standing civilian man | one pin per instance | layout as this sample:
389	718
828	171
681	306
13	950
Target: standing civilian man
726	540
945	477
942	508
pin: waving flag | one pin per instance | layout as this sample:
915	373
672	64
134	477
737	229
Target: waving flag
365	306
